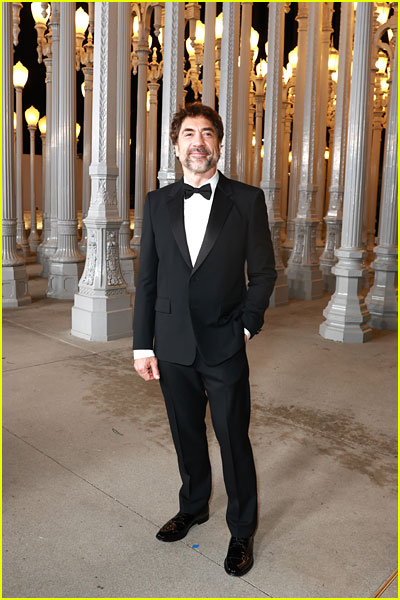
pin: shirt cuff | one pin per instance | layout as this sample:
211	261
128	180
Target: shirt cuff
142	354
247	333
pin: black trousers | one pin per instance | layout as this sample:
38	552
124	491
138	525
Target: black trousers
186	391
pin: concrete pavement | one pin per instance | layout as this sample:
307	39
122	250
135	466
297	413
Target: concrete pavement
90	473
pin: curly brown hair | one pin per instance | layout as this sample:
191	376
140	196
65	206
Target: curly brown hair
196	109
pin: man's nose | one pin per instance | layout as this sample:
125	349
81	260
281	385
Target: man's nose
198	138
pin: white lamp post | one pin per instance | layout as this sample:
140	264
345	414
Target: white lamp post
42	128
20	76
32	118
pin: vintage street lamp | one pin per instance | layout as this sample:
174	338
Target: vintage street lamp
20	77
32	118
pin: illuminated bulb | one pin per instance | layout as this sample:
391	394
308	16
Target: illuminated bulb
36	8
200	33
384	85
189	47
383	13
135	26
218	26
254	37
77	130
42	125
160	37
253	141
148	101
20	75
262	68
81	21
83	89
266	49
381	62
334	76
149	41
293	57
15	121
390	34
262	151
290	157
32	116
333	61
326	154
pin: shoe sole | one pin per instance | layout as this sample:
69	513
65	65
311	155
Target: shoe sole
180	536
242	572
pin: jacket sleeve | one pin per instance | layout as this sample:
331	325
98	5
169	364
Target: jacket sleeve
261	272
146	285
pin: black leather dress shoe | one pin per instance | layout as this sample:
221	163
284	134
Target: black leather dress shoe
177	527
239	559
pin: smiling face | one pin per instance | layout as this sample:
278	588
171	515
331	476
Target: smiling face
197	147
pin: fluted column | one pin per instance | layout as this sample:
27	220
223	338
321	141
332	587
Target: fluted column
33	236
303	273
346	314
333	218
271	168
140	162
373	175
321	125
126	255
46	180
152	137
87	140
21	232
259	97
243	93
228	86
66	265
172	86
382	298
208	80
14	279
302	35
102	310
52	142
287	123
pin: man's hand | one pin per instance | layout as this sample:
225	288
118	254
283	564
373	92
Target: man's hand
147	368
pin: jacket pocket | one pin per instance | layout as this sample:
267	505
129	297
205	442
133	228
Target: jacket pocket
229	310
163	305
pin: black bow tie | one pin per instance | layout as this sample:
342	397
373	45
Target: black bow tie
204	190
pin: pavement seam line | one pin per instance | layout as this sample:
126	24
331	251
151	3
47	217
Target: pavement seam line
52	337
118	501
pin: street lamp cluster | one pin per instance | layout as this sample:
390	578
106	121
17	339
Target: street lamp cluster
204	66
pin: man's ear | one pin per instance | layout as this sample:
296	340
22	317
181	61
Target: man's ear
176	150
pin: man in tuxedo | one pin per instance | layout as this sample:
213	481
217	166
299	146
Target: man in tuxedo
193	315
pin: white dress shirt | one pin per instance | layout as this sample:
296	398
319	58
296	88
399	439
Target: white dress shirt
196	212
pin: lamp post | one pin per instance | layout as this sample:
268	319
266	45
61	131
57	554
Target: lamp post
259	80
86	59
32	118
42	129
218	37
41	14
16	9
20	77
195	50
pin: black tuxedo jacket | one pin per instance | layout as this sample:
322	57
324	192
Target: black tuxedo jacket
180	307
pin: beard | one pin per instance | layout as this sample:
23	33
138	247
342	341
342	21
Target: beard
200	165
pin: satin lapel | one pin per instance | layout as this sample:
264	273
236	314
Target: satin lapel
175	207
221	207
